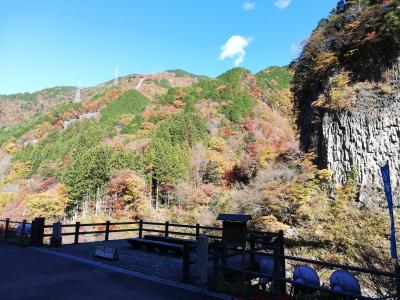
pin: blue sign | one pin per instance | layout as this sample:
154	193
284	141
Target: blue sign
341	5
388	192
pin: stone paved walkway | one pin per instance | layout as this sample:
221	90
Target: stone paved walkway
160	265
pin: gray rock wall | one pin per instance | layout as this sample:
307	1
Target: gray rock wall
364	138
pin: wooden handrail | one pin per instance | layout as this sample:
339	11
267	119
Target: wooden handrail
124	223
196	231
153	223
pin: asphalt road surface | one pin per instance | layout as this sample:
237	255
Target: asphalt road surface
27	273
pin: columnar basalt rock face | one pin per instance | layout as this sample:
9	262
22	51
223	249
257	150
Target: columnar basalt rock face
362	139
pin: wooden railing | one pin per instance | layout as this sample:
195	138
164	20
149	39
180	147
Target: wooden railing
141	226
9	229
214	233
279	276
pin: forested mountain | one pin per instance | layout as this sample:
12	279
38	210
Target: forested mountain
296	147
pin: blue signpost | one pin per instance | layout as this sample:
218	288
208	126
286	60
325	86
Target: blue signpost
388	192
385	171
341	5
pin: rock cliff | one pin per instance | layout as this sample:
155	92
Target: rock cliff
362	138
347	95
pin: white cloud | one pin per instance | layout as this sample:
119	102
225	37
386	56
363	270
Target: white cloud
235	48
248	5
282	4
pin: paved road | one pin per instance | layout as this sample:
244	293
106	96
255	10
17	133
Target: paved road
27	273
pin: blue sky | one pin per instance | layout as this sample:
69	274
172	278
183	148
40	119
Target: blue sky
45	43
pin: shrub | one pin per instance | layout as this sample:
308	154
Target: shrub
164	83
5	199
129	188
217	143
212	174
391	26
19	171
341	95
133	126
325	61
50	204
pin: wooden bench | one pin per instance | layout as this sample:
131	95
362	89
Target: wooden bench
182	249
150	245
171	240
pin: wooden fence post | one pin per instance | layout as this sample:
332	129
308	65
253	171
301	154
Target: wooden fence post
216	260
202	259
224	258
166	229
77	225
7	228
197	230
277	272
107	230
252	250
56	238
22	233
140	228
37	232
186	263
397	279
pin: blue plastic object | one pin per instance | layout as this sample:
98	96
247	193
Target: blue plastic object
306	275
267	268
344	282
27	229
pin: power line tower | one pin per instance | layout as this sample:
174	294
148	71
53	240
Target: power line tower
78	93
116	76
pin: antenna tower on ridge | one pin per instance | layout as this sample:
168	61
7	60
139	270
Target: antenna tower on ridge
116	76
